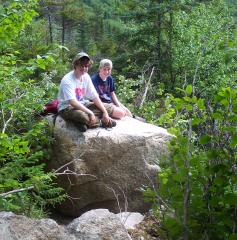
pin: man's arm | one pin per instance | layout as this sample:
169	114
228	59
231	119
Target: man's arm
77	105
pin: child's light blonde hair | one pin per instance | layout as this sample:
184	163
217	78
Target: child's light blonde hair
106	63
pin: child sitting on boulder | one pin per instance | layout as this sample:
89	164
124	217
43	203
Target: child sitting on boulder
104	85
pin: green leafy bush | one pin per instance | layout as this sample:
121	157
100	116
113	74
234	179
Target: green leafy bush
197	193
25	187
24	141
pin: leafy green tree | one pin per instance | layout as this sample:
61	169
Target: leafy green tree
81	25
197	193
25	187
203	36
15	17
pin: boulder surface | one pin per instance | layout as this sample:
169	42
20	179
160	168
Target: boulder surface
98	224
107	168
18	227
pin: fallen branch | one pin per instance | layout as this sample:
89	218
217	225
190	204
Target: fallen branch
16	191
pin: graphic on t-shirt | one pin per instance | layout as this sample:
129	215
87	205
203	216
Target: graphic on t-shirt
80	92
104	93
103	88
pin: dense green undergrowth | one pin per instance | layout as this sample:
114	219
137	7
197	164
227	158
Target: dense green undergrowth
25	186
196	197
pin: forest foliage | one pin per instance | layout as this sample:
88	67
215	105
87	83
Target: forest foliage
174	64
25	187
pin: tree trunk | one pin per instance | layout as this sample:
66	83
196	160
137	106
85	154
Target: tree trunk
63	36
158	45
50	26
170	49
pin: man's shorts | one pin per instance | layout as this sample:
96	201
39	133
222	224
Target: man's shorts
79	116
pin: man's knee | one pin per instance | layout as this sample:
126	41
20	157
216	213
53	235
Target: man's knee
75	115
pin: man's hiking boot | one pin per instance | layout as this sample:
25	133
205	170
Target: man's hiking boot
82	127
110	124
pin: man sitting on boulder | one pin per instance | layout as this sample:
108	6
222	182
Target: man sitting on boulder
75	89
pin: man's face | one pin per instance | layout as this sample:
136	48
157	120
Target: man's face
83	65
105	71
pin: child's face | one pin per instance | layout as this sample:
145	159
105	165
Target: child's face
105	71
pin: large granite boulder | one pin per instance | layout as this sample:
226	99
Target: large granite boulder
107	167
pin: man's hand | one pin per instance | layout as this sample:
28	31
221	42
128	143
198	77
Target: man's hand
105	118
92	118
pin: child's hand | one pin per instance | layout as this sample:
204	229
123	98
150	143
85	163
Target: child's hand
128	113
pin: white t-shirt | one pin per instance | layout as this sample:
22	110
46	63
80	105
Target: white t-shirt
78	89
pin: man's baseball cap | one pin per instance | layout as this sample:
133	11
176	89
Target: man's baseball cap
81	55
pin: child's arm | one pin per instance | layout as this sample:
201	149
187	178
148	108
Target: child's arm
119	104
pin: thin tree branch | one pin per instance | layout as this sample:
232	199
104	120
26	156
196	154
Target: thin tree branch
195	74
187	185
146	88
57	170
16	191
5	123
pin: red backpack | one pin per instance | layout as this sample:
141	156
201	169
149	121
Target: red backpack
51	107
